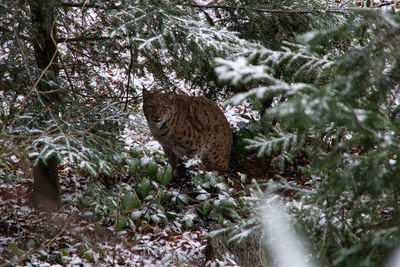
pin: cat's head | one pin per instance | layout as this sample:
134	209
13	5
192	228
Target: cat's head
158	107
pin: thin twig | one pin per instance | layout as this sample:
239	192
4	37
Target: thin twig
66	74
129	77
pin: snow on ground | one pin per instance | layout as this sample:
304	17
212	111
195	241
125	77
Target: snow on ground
238	115
77	239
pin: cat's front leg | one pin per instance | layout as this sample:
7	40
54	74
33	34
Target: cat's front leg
178	168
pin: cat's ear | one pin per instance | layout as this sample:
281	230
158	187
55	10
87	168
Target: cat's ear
145	93
172	96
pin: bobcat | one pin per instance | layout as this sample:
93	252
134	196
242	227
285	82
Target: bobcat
186	126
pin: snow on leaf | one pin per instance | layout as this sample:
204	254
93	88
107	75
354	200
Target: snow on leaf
85	165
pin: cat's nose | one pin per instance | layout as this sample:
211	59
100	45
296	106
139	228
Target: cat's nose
155	119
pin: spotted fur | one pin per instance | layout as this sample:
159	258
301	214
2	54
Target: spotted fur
186	126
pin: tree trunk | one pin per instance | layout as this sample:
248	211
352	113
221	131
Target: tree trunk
46	190
43	18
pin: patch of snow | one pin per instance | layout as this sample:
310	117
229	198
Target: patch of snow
238	115
154	146
394	260
239	70
287	248
145	160
195	161
222	187
307	37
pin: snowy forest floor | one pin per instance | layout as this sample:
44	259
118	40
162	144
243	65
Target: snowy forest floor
72	237
52	235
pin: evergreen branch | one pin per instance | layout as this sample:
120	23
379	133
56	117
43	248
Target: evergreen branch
23	37
85	5
268	145
289	11
89	38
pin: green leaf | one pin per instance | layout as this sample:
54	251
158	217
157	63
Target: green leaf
88	256
159	216
243	177
152	170
202	197
132	166
64	252
165	176
12	167
222	187
172	214
228	203
130	201
132	169
10	179
57	257
155	218
121	223
14	249
137	214
206	207
120	160
82	249
189	223
189	219
184	199
145	187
